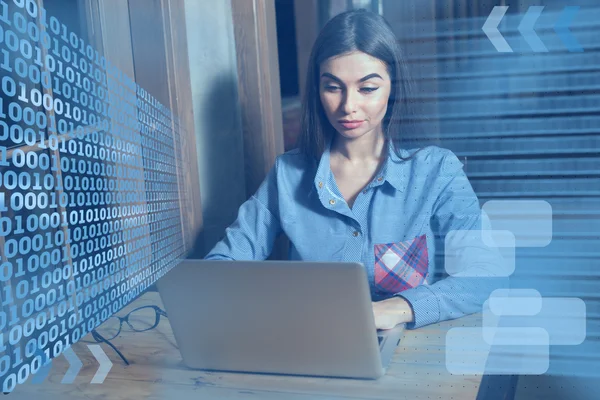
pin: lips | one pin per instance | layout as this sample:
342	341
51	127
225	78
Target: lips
351	124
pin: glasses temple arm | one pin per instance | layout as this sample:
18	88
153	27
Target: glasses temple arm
101	338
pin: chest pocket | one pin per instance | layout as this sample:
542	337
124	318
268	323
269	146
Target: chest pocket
401	265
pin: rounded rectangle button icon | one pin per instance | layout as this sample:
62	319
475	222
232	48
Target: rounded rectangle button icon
515	305
529	220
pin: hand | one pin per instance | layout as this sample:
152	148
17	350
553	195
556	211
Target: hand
391	312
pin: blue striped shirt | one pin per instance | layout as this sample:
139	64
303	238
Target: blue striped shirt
428	195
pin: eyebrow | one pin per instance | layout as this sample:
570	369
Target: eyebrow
364	78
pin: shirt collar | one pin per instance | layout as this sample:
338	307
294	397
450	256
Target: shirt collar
394	170
324	168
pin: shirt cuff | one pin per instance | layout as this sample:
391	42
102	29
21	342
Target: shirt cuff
217	257
424	305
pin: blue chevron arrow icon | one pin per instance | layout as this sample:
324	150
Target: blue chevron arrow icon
105	364
44	370
74	365
562	29
490	28
527	30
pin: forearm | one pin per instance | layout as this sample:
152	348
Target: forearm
250	237
450	298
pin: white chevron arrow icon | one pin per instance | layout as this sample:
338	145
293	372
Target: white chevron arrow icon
74	365
490	28
526	28
105	364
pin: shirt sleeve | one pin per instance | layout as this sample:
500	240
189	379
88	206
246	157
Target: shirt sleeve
253	233
479	269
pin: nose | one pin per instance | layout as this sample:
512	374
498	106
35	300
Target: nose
350	102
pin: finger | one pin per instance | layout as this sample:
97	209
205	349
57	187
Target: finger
383	323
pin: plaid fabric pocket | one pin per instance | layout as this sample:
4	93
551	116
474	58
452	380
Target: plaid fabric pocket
401	265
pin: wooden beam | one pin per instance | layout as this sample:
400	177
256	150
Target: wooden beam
307	29
260	98
181	95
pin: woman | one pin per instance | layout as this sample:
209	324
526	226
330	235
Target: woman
351	192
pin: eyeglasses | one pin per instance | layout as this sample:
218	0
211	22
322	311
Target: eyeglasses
139	320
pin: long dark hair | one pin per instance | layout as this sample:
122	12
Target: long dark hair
368	32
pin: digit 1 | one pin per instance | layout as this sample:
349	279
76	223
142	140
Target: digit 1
3	13
43	17
2	202
7	296
20	268
18	359
5	66
3	161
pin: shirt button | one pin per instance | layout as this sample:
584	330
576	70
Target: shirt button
365	191
380	178
332	201
355	233
320	185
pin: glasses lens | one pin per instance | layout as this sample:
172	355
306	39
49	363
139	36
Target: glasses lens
109	329
142	319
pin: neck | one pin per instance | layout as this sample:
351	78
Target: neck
369	147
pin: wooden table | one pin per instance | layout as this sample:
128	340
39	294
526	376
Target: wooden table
417	371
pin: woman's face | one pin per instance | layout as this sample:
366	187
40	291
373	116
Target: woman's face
354	89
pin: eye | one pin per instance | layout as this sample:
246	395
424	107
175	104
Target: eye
331	88
369	90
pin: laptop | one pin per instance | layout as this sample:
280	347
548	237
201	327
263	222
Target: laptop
277	317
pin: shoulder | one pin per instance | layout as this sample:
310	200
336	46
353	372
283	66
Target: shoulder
432	159
293	160
432	154
290	170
